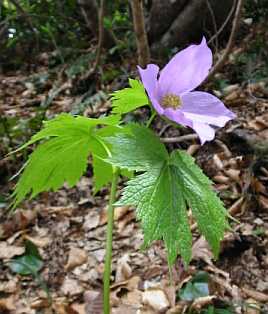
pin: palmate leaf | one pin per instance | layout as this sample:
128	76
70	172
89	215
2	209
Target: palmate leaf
162	192
129	99
63	155
207	208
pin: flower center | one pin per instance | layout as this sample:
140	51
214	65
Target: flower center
171	101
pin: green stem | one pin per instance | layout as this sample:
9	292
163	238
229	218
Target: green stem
109	240
151	119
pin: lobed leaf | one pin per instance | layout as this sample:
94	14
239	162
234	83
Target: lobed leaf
129	99
63	156
164	189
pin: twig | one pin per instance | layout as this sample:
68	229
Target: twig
230	43
179	138
100	41
224	23
213	22
100	31
141	36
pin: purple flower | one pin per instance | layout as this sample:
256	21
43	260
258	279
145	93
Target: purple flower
171	93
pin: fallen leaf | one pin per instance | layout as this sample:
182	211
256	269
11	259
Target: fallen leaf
39	241
156	299
252	307
93	301
9	251
7	304
119	212
20	220
199	303
256	295
71	287
78	308
76	258
201	250
9	286
123	270
92	220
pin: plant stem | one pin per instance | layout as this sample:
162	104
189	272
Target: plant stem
148	123
109	240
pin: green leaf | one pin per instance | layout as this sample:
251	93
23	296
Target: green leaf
207	208
63	156
196	288
156	193
129	99
137	148
29	263
164	189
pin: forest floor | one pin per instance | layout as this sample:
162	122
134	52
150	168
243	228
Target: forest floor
68	227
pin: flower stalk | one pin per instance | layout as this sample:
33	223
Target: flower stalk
109	241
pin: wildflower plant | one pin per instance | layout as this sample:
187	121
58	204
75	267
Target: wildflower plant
163	184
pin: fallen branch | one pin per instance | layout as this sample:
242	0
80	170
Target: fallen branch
179	138
230	43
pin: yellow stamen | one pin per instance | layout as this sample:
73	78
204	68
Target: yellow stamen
171	101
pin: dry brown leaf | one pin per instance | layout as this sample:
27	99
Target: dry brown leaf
124	309
40	303
119	212
233	174
92	220
9	251
199	303
263	201
78	308
71	287
133	298
38	241
252	307
123	270
7	304
94	302
221	179
9	286
20	220
179	308
76	258
201	250
122	223
156	299
256	295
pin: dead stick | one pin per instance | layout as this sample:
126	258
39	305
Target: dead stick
179	138
224	23
230	43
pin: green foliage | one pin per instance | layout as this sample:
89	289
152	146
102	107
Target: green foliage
63	156
30	263
213	310
207	208
196	288
258	10
161	193
129	99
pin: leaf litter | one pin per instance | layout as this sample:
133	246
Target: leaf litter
68	227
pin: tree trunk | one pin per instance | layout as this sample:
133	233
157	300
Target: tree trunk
89	10
141	36
184	22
